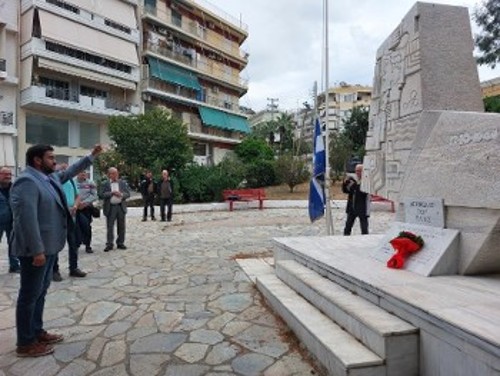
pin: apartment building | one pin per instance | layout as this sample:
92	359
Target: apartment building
192	61
79	64
341	100
9	80
491	88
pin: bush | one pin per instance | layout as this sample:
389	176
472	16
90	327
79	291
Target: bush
291	171
260	173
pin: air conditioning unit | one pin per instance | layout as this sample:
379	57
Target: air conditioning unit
211	25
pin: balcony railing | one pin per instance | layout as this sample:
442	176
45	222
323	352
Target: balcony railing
76	101
203	64
191	95
199	31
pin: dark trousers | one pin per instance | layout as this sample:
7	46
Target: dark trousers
363	221
13	260
168	203
149	201
35	281
117	215
72	251
84	226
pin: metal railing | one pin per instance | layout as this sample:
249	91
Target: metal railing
203	64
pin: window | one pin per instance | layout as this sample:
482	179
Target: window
117	26
84	56
89	135
176	18
55	88
93	92
62	4
199	149
46	130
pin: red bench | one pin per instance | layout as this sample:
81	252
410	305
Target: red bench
375	198
233	195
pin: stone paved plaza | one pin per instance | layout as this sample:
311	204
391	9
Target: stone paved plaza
174	303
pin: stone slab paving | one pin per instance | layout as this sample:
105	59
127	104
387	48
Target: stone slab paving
174	303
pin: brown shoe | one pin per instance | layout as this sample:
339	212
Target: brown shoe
48	338
34	350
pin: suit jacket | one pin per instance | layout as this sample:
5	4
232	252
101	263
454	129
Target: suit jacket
5	213
40	213
105	195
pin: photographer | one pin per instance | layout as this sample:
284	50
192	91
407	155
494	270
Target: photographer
358	202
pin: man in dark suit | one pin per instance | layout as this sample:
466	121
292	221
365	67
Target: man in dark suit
40	223
114	194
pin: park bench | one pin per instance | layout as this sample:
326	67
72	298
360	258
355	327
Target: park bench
375	198
244	195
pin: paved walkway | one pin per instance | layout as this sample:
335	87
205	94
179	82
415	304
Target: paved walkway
175	303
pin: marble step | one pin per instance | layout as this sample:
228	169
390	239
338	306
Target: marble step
339	352
391	338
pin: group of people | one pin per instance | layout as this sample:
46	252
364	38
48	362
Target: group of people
163	189
41	211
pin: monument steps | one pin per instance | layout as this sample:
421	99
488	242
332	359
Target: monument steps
388	336
338	351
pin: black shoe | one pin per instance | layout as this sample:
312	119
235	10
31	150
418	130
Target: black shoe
169	220
56	277
163	220
15	270
153	218
89	249
77	273
144	219
121	246
108	248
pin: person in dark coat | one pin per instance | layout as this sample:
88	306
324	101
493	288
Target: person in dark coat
358	202
148	190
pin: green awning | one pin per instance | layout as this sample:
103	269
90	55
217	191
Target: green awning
223	120
169	73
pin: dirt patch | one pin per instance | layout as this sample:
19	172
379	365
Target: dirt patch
301	192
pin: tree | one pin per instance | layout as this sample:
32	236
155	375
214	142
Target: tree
154	140
355	129
492	104
253	149
291	170
341	149
487	17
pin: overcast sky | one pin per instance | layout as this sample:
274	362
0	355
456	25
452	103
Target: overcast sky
286	37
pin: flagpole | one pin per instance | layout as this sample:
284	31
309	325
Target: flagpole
329	220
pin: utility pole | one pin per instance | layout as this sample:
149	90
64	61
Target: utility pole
272	106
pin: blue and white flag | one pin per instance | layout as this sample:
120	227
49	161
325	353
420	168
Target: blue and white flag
317	186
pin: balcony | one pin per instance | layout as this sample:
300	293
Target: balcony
184	95
68	101
203	65
199	33
85	17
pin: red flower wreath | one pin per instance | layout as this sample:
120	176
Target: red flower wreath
405	244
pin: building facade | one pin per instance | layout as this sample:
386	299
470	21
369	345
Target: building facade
9	80
491	88
192	61
66	66
341	100
79	65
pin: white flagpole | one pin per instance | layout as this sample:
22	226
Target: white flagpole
329	220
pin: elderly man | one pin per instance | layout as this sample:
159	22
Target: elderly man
40	229
114	194
6	215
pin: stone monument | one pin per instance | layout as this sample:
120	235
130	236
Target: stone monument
429	139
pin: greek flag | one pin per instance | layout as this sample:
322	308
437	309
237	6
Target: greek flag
316	187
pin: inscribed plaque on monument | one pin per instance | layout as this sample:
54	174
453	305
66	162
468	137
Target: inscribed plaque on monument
424	211
438	256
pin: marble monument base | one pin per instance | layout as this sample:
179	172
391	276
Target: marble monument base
457	317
